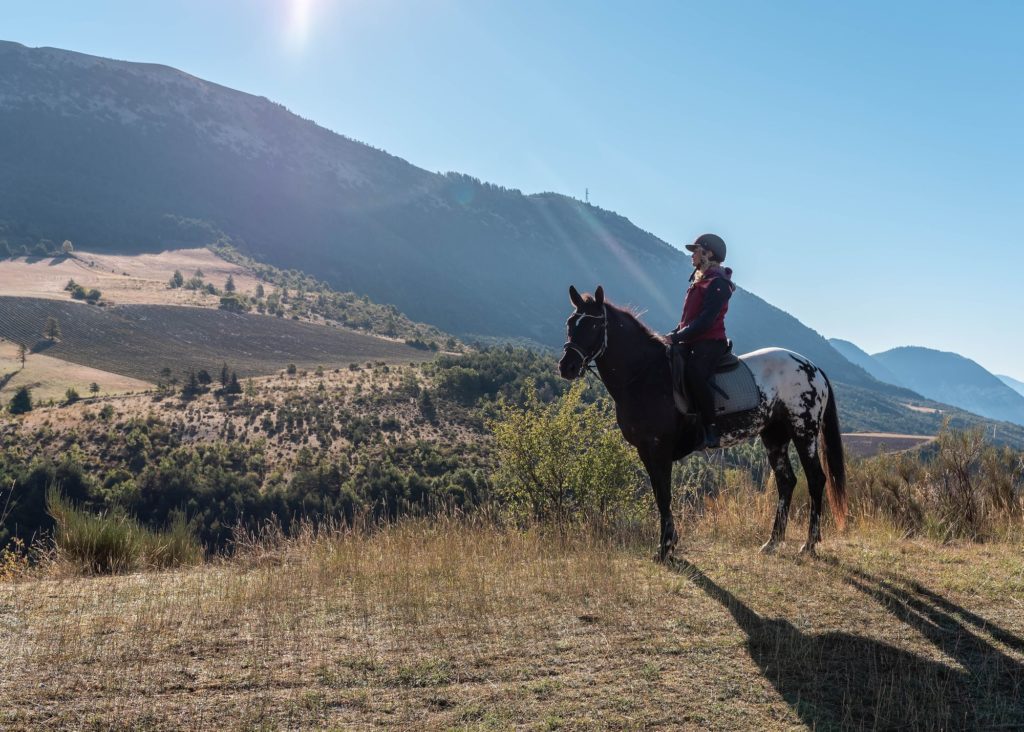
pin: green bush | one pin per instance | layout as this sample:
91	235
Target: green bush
565	460
108	543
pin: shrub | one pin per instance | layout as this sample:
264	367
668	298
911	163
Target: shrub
108	543
959	487
234	304
71	395
22	401
564	460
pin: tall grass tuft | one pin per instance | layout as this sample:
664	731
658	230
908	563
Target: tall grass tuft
115	543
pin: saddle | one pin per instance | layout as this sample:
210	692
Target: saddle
733	386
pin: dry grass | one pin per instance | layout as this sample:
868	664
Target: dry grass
868	444
125	280
468	625
49	378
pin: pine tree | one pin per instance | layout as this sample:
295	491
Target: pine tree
22	401
229	284
225	375
259	289
191	387
22	353
427	408
52	329
94	388
177	280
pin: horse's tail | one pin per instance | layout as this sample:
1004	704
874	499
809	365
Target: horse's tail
832	459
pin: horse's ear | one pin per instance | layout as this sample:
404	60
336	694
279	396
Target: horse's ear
599	295
574	297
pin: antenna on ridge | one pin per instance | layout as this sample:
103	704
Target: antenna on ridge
586	195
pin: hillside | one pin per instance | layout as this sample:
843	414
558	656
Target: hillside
50	378
125	279
1017	386
953	379
142	340
127	157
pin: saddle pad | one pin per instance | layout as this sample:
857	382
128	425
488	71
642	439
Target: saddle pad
740	386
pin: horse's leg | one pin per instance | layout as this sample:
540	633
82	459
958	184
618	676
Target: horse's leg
808	452
776	441
658	462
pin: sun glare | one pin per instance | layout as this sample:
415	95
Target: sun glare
300	13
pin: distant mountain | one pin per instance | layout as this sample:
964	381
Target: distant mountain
129	157
1017	386
858	356
953	379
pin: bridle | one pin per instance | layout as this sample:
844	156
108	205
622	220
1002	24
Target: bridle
588	361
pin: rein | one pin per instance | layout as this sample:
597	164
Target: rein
588	361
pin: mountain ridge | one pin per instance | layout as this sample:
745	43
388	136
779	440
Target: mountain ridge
1017	386
131	157
954	379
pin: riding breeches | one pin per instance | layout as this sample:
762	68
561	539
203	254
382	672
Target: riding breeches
701	359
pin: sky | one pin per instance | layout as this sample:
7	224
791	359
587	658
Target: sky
864	160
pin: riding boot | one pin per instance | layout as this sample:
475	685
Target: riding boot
711	437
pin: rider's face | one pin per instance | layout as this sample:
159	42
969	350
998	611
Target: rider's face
699	257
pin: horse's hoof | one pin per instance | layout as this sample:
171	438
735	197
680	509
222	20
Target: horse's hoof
807	550
769	547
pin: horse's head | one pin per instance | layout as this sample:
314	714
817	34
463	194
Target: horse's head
586	333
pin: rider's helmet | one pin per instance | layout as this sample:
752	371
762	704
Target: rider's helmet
712	242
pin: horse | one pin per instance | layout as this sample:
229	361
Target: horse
795	404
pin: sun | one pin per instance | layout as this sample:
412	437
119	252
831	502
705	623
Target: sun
300	13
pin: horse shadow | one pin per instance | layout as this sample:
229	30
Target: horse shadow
839	680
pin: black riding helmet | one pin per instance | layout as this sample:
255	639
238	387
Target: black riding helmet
712	242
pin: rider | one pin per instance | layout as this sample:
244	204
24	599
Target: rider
701	329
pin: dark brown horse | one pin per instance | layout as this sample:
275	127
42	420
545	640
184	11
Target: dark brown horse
796	404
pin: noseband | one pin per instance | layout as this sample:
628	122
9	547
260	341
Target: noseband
588	361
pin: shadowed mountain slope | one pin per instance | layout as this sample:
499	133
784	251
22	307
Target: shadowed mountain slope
854	354
1017	386
132	157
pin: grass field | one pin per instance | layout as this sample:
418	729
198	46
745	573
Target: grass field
124	280
455	625
865	444
140	340
49	378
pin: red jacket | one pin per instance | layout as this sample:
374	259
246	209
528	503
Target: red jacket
705	306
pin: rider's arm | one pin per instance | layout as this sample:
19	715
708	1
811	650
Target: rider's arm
717	295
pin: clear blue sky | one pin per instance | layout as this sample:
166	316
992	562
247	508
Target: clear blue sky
865	161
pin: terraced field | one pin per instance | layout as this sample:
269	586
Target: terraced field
140	340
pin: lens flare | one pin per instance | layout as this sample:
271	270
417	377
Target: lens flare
300	13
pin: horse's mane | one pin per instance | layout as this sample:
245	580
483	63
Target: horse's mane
632	314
